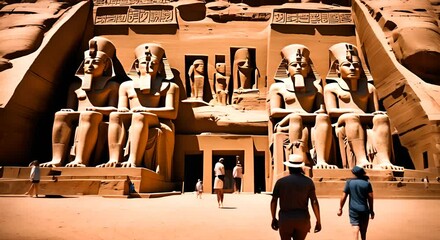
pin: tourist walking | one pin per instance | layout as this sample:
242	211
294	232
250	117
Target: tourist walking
219	171
237	174
360	203
294	192
34	178
199	189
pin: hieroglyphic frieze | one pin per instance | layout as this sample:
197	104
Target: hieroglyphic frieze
314	18
127	2
133	15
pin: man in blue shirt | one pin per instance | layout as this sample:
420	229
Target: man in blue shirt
361	202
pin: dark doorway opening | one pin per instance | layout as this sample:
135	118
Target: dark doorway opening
259	174
193	171
229	162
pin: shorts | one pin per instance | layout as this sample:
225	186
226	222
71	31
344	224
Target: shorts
359	218
35	181
218	183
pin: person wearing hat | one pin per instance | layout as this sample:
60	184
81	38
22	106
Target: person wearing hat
219	171
296	106
147	105
293	192
237	174
89	102
348	94
360	203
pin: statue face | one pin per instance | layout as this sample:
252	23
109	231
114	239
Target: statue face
199	68
299	67
150	66
95	66
221	68
350	70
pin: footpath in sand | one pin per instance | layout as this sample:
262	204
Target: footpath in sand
183	217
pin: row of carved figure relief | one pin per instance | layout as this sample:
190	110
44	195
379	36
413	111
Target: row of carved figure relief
244	78
301	107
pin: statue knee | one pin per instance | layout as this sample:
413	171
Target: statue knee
381	119
322	119
295	118
91	117
143	118
350	119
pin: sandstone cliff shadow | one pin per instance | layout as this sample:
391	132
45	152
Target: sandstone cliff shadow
339	30
192	12
155	29
297	29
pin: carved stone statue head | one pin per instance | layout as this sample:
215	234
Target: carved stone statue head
221	68
199	66
148	65
297	58
346	61
97	61
241	57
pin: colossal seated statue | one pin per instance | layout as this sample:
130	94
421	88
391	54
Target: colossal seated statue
296	105
196	75
94	97
363	131
221	84
147	105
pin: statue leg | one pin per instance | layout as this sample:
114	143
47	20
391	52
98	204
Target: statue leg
322	140
298	140
138	137
86	139
61	132
356	138
117	136
165	149
382	142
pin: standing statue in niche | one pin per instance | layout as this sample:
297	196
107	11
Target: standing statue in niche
94	97
245	75
147	105
353	101
296	100
221	81
196	75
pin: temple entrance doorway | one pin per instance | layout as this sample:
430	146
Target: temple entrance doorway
229	162
193	171
259	173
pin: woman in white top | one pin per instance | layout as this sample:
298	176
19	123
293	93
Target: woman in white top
34	177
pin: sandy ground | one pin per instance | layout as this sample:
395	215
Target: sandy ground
183	217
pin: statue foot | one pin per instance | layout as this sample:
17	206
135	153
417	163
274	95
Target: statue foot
75	164
324	165
51	164
389	166
109	164
365	164
128	164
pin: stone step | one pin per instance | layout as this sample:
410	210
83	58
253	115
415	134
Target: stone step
383	189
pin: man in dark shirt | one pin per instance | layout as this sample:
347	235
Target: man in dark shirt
294	192
361	202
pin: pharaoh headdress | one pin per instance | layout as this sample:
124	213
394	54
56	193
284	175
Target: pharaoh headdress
340	53
290	53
